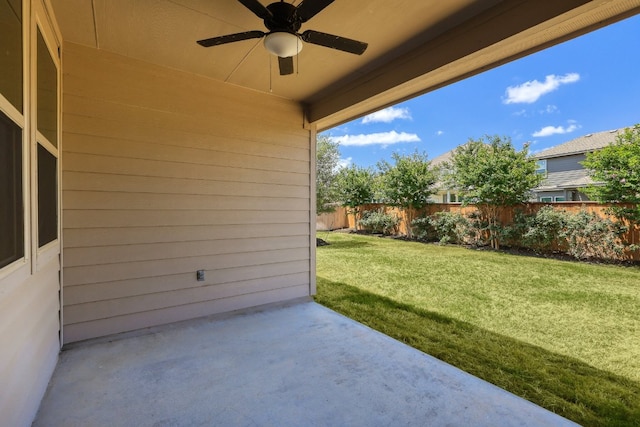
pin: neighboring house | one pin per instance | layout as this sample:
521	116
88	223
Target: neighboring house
563	172
444	194
131	157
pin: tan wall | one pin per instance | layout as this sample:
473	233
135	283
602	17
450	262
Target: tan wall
166	173
30	286
29	342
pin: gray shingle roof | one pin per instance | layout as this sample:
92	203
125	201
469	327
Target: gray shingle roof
586	143
565	179
444	157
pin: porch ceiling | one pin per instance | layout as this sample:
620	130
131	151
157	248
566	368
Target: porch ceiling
414	46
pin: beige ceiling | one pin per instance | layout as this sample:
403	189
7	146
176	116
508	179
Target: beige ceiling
414	45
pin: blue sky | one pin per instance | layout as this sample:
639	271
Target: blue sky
586	85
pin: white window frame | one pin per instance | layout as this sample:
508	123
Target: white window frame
40	22
34	16
17	271
546	199
541	167
555	199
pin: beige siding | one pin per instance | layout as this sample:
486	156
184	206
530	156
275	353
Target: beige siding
29	339
166	173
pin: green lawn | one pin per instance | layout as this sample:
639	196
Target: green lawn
564	335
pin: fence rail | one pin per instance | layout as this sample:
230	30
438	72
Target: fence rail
341	218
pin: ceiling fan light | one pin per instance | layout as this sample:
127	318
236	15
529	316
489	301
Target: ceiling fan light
283	44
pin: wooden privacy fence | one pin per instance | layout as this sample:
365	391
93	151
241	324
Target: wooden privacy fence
342	219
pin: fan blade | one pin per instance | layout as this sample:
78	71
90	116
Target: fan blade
230	38
286	65
257	8
334	42
310	8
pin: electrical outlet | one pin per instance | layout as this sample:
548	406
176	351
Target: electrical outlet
200	275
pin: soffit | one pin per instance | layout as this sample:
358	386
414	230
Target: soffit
414	46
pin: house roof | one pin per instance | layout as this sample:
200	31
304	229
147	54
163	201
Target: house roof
584	144
414	48
440	184
442	158
566	179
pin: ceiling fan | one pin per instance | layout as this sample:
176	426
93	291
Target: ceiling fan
283	20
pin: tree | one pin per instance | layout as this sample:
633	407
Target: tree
615	170
492	174
356	187
327	158
407	184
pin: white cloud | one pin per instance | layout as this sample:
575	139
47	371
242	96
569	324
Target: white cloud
550	109
344	163
529	92
440	132
556	130
383	138
521	113
387	115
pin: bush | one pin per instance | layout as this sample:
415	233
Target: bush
449	227
513	234
544	229
442	227
590	236
379	222
422	229
581	235
476	229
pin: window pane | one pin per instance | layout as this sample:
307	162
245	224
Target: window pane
11	51
541	167
47	93
11	209
47	197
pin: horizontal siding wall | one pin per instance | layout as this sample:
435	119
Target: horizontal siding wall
29	310
565	163
166	173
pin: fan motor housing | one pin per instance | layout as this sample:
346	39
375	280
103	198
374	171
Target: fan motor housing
283	18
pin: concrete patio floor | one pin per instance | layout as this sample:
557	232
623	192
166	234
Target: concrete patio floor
288	365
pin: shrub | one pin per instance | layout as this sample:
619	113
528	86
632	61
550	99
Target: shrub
513	234
476	229
581	235
442	227
544	229
379	222
590	236
449	227
422	229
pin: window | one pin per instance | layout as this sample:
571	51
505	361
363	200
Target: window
47	197
47	162
12	209
541	167
559	199
11	79
11	198
29	149
450	198
546	199
47	93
